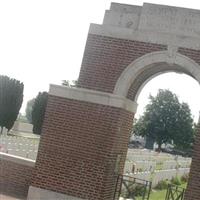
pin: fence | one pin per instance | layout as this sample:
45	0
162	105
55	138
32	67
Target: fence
158	175
175	193
130	187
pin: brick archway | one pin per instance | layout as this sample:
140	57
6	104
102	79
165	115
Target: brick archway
146	67
86	130
150	65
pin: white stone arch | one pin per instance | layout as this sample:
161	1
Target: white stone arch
133	71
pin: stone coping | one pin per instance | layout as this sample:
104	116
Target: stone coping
35	193
17	159
148	36
93	96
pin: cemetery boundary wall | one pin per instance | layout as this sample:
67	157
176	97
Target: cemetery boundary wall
15	174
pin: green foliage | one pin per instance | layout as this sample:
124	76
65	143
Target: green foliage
165	120
184	138
29	108
139	190
159	165
38	111
11	97
184	178
176	180
159	194
134	190
162	185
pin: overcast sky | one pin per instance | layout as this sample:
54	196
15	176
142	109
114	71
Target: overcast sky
42	42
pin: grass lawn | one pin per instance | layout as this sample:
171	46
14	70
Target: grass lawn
160	194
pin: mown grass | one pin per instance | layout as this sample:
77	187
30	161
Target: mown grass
160	194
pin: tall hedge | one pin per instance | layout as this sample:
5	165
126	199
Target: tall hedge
11	98
38	111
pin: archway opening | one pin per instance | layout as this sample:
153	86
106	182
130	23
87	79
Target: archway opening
170	161
185	87
180	75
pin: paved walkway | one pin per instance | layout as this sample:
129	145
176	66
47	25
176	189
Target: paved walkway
24	134
7	197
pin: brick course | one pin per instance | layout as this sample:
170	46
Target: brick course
105	58
191	53
81	141
78	148
14	178
145	75
193	189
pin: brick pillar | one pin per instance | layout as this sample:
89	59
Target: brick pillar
83	145
193	189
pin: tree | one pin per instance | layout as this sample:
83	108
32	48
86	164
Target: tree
29	108
11	98
38	111
165	120
184	139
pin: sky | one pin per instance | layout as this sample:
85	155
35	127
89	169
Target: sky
185	87
43	41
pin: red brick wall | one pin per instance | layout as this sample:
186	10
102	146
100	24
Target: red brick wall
193	189
78	148
81	141
191	53
14	178
105	58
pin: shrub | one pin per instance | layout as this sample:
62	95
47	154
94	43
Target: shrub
184	178
159	165
134	191
162	185
139	190
176	180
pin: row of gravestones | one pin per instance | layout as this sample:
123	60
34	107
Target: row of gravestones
141	166
19	146
144	159
148	152
160	175
145	155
